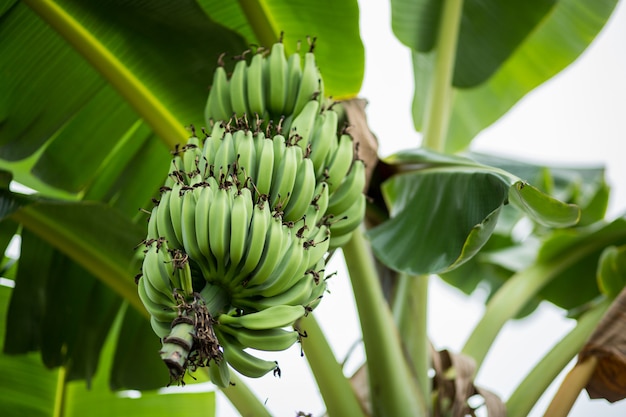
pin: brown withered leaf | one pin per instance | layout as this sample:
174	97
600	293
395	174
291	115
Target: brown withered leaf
454	385
608	345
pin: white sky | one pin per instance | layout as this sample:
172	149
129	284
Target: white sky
578	117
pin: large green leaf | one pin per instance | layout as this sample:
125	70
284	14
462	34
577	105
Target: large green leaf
525	61
31	389
339	51
159	57
491	30
445	208
95	236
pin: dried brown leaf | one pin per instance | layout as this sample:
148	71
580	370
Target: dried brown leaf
454	384
608	345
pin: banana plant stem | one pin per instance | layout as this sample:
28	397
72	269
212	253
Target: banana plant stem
439	101
59	399
392	387
165	125
504	305
541	376
243	399
410	310
336	390
260	21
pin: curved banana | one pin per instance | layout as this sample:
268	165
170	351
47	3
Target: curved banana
276	316
153	230
219	227
322	140
347	221
310	83
339	164
256	85
294	73
164	313
192	153
152	272
203	209
302	126
349	190
218	103
285	176
240	218
303	191
238	87
219	373
160	328
273	250
176	209
263	176
291	269
188	226
224	157
243	362
277	79
269	340
255	244
317	246
246	157
298	294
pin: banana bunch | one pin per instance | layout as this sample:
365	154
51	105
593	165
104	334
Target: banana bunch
270	85
237	244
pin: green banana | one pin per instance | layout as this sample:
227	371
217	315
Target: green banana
303	191
238	87
203	207
192	153
153	230
219	227
322	140
255	244
276	316
225	156
277	79
347	221
339	241
317	246
153	272
301	128
294	73
297	294
265	166
269	340
291	268
218	103
285	177
256	85
164	313
160	328
276	242
349	190
176	209
245	155
219	373
310	83
241	217
243	362
188	226
339	164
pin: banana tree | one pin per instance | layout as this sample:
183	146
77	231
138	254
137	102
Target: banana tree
101	97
